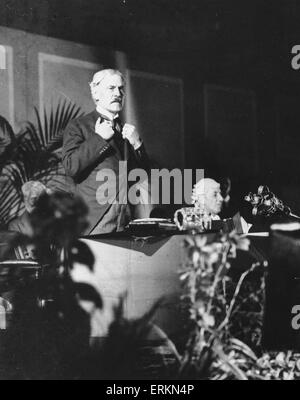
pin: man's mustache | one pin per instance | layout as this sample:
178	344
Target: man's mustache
117	99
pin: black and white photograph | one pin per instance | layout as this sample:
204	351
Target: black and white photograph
149	192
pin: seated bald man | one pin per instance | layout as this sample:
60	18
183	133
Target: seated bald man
207	196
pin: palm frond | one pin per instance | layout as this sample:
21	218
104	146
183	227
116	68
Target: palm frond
33	156
55	122
10	200
31	138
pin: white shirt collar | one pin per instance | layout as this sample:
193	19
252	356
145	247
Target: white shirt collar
106	113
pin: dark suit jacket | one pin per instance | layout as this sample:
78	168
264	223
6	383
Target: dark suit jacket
84	155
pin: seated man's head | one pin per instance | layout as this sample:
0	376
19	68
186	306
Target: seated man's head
207	195
32	190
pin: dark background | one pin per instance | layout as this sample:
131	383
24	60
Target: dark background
237	44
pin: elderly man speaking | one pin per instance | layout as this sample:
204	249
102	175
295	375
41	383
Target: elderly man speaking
99	142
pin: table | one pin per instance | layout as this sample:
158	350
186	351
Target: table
144	270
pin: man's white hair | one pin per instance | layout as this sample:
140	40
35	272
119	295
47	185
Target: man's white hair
201	187
98	78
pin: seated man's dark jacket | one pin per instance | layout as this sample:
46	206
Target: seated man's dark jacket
85	153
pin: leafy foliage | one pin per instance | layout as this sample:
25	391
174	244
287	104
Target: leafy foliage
49	335
50	329
34	156
225	317
246	322
211	352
